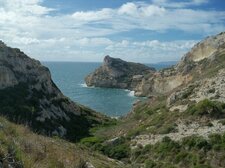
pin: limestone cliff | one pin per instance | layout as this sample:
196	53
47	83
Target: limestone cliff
205	57
29	96
116	73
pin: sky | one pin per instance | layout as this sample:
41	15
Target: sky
147	31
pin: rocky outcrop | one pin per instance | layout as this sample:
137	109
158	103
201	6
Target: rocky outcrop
205	49
183	131
116	73
209	88
199	62
29	96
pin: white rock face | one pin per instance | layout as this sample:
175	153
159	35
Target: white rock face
206	48
210	88
167	80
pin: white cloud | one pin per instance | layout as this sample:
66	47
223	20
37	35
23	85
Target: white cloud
93	42
155	18
140	10
105	13
25	7
181	4
150	51
83	35
128	8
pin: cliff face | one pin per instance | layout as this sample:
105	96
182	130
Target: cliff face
29	96
116	73
204	57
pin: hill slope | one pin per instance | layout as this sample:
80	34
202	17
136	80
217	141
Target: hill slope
182	123
21	148
29	96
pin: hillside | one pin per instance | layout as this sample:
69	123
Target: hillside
29	96
21	148
182	122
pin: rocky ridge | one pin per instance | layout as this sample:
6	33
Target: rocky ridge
203	56
29	96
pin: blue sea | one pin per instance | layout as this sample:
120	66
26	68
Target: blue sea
69	77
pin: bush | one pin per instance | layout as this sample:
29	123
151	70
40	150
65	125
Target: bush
195	142
202	166
117	152
90	141
207	108
166	147
150	164
217	141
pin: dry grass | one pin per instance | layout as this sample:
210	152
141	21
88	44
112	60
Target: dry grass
35	151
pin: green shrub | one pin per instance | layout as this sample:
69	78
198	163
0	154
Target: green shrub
118	152
207	108
196	143
150	164
217	141
90	141
202	166
222	122
166	147
183	156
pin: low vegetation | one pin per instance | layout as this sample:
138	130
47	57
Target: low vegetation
118	149
192	152
155	118
20	148
207	108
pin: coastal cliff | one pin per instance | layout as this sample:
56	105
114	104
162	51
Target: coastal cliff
200	61
116	73
30	97
145	81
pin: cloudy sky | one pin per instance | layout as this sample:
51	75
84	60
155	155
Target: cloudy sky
86	30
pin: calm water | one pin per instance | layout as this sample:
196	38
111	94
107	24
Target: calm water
69	77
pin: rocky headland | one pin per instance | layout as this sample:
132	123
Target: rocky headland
117	73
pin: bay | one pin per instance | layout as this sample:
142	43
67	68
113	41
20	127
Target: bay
69	77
